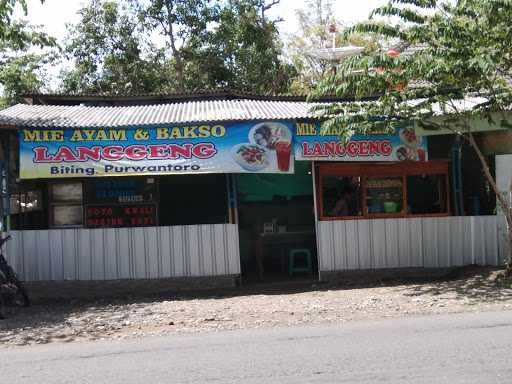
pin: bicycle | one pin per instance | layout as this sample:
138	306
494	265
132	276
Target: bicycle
11	288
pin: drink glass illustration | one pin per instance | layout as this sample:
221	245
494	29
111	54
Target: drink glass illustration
283	151
421	155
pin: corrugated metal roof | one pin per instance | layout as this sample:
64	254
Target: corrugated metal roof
176	113
204	111
202	94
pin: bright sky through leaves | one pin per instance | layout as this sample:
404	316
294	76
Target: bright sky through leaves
53	14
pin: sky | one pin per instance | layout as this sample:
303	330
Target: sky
53	16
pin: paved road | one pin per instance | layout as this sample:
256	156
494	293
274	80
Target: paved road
469	348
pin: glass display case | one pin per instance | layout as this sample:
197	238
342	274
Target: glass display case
377	190
384	195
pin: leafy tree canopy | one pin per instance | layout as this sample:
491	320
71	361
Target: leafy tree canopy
452	52
18	35
21	70
179	23
110	53
135	46
23	74
243	52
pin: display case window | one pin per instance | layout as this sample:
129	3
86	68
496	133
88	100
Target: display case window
66	204
376	190
27	201
384	195
66	192
67	215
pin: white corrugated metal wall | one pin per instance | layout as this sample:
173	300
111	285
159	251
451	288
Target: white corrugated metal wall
412	242
213	250
125	253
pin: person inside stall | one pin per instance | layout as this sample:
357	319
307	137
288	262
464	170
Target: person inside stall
342	197
343	204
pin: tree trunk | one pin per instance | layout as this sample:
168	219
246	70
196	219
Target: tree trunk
503	203
175	52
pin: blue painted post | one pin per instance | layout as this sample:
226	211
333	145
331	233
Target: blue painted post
457	177
4	187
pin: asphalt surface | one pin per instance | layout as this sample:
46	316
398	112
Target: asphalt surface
466	348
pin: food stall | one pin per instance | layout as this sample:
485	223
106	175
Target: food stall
374	176
224	187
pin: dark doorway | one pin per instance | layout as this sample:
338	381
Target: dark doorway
277	225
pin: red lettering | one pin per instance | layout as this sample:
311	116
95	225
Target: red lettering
40	155
85	153
374	147
317	150
386	148
113	152
352	148
340	149
363	148
329	148
157	151
305	150
204	150
176	151
65	154
135	152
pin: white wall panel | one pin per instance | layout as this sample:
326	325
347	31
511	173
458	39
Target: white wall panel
125	253
56	256
378	239
340	242
404	243
324	230
363	244
110	242
392	244
415	242
352	244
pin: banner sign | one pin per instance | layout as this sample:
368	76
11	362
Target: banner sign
110	191
311	144
246	147
97	216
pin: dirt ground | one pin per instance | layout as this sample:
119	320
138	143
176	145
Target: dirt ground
257	306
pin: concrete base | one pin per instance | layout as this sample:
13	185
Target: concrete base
372	275
91	290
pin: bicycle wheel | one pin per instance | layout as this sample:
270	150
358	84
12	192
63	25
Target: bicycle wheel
21	297
2	307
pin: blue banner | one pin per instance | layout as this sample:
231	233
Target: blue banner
313	144
248	147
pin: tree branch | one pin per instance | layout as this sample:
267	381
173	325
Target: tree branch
266	7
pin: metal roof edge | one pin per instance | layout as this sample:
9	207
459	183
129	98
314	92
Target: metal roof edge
164	98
